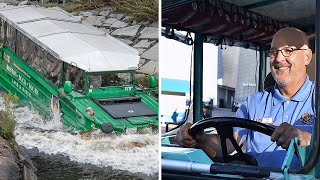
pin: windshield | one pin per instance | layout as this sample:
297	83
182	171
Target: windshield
110	80
76	76
230	75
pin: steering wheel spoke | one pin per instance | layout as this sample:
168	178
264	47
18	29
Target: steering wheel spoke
224	127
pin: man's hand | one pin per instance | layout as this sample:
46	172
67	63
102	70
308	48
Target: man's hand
209	143
183	138
285	132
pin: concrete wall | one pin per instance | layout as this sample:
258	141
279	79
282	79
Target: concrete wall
247	79
230	59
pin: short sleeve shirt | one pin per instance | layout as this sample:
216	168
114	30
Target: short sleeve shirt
270	107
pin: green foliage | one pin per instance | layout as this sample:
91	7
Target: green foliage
81	5
8	98
13	144
7	122
142	80
140	10
49	5
15	99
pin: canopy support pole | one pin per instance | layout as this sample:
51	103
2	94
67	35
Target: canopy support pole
262	67
198	77
314	154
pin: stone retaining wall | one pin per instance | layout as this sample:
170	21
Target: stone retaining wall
143	36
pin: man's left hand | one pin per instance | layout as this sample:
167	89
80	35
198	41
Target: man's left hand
285	132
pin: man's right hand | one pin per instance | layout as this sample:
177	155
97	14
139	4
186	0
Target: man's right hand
183	138
209	143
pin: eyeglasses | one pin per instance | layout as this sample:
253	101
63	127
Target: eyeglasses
285	52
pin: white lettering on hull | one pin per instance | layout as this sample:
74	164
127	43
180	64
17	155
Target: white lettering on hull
23	81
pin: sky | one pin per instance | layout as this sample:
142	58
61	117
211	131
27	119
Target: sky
175	64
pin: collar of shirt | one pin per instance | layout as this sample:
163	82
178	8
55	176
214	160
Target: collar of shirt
301	95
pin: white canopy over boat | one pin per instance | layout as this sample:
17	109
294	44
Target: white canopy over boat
70	40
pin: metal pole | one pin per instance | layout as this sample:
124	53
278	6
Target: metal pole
262	67
185	166
198	77
314	154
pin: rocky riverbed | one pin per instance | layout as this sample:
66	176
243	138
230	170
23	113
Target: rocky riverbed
14	163
9	168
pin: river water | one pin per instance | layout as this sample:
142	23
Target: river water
60	153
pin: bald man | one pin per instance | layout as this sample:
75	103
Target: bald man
288	105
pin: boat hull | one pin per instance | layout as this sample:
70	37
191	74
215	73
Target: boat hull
35	90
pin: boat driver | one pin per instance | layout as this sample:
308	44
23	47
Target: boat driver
288	106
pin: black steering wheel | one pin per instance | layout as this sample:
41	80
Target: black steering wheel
224	127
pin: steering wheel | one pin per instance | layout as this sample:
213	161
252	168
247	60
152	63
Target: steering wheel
224	127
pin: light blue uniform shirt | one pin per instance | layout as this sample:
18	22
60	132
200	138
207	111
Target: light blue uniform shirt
270	106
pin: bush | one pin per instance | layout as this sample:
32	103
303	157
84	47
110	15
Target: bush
10	99
7	122
140	10
6	99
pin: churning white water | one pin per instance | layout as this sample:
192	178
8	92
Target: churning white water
136	153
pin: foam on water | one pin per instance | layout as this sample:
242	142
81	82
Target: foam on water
137	153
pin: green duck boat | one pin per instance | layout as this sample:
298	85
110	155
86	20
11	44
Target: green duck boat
69	70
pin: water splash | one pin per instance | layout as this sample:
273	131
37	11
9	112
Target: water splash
136	153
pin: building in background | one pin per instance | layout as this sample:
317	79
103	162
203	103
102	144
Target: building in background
238	75
175	65
230	75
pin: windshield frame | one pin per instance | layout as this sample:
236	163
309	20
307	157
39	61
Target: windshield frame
88	74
